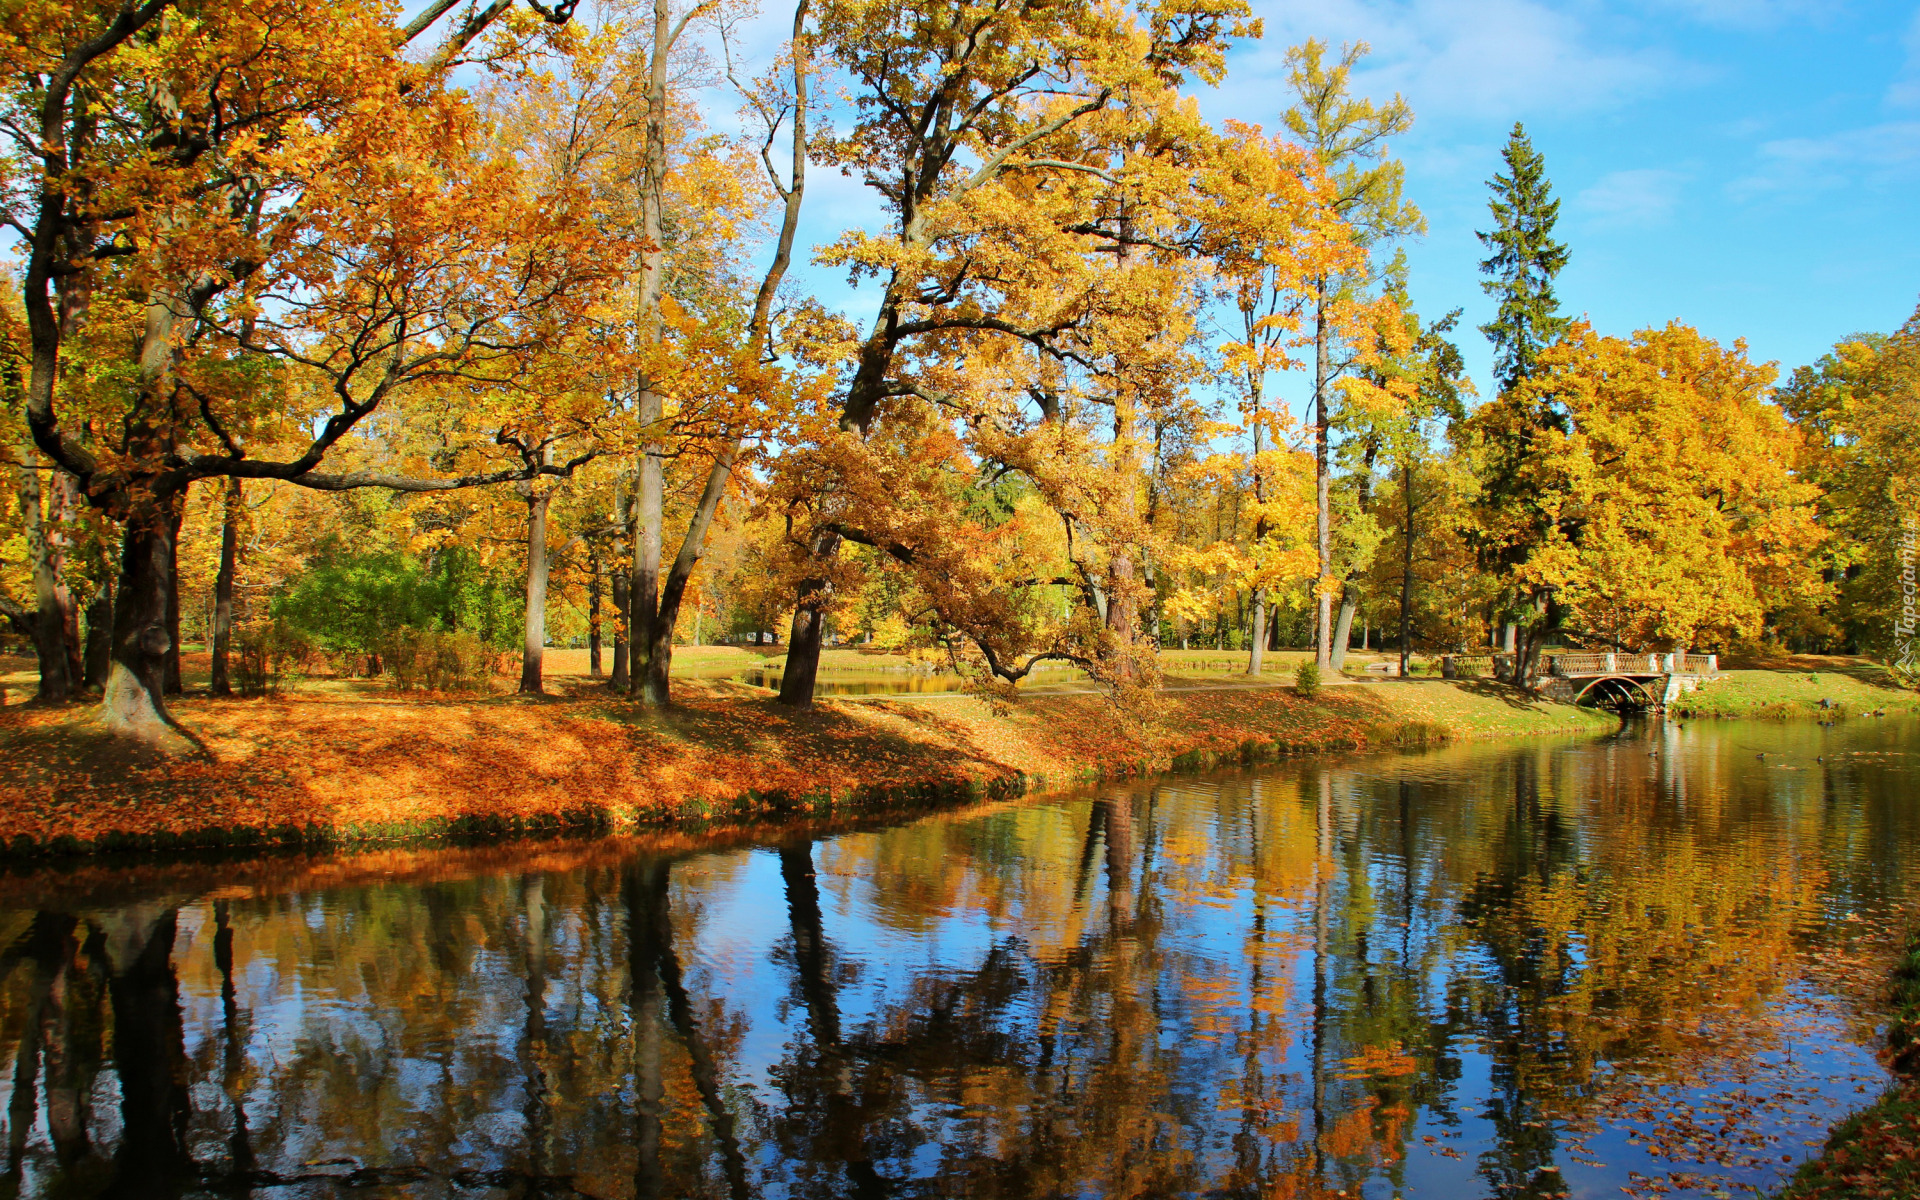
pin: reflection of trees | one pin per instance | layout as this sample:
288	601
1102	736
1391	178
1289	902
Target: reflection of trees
1532	965
1237	987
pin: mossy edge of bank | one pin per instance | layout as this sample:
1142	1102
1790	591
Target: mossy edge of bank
1875	1153
1459	723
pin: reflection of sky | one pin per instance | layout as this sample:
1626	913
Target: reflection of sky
927	902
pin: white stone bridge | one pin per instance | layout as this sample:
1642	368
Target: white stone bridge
1616	680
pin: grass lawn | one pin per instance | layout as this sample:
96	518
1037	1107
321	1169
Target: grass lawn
1851	687
343	759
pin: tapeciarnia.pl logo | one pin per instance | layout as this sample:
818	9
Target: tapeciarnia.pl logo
1906	659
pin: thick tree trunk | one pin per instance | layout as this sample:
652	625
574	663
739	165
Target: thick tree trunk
223	592
622	612
1343	630
533	648
657	683
49	589
66	499
803	644
99	644
808	630
594	585
1257	641
652	634
134	705
649	676
171	677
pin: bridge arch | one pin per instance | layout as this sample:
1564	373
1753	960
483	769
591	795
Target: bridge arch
1616	691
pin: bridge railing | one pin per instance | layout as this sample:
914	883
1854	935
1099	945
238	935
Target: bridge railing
1567	666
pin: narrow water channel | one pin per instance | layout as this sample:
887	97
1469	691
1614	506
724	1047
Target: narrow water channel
1540	969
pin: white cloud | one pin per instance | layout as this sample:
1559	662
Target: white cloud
1793	168
1475	58
1632	198
1905	90
1745	14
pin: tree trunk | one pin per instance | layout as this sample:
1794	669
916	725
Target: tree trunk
652	634
66	499
99	645
223	592
49	588
134	705
1343	629
649	678
533	648
803	644
172	681
1257	641
622	612
1406	568
593	614
692	547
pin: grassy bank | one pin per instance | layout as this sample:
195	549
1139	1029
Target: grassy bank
1875	1154
341	763
1850	687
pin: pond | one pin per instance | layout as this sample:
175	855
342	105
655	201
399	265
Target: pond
1542	969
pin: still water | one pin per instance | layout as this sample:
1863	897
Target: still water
1542	969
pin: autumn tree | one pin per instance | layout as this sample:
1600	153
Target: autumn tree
1660	502
951	104
219	170
1858	408
1349	136
1274	272
743	388
1399	405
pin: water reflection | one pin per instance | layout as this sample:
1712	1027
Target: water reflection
1534	971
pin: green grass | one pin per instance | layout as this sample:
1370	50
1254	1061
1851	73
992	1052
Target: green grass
1427	711
1855	689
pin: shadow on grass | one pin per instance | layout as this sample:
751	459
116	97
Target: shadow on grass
750	723
1491	689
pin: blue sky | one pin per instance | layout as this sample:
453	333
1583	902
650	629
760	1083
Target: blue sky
1751	167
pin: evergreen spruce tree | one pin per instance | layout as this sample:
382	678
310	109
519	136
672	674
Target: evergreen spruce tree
1524	262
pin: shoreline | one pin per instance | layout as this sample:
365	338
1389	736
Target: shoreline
314	773
323	771
1875	1152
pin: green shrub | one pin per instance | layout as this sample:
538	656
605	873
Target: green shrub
265	654
435	661
1306	679
351	604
